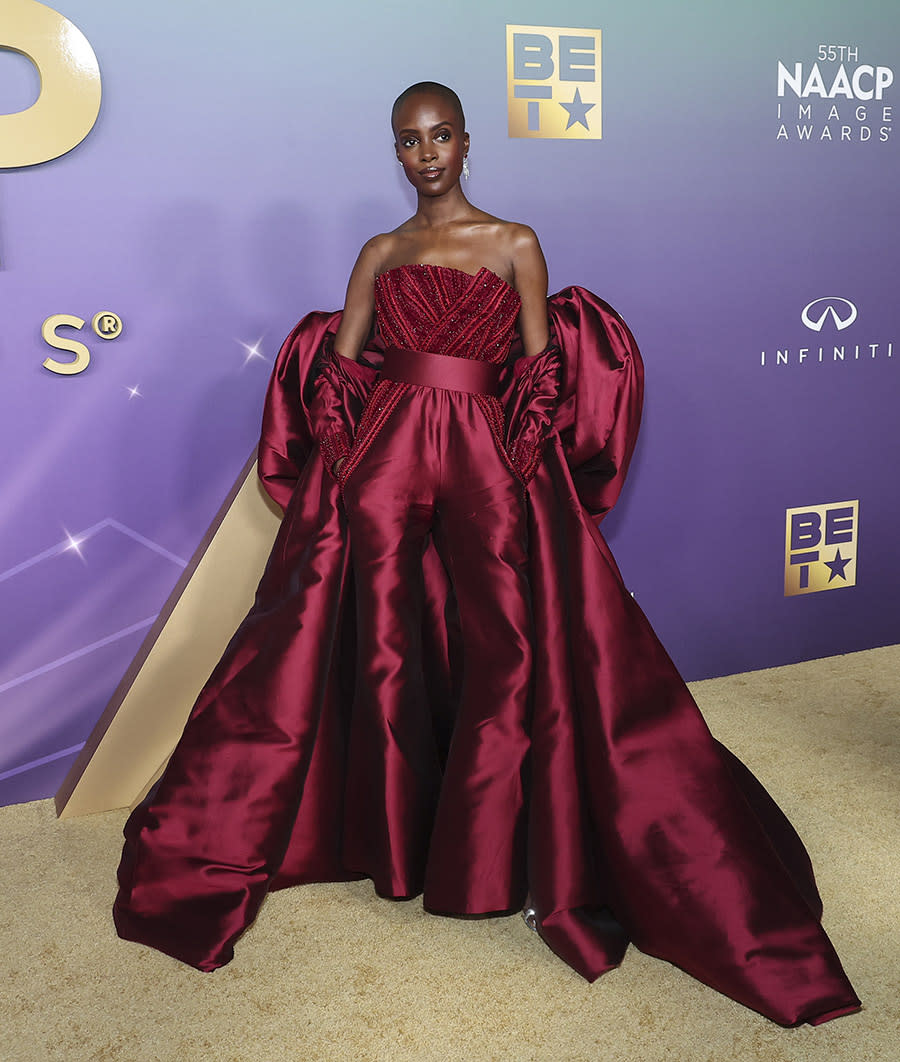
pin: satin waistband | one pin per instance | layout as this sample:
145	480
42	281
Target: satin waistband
441	370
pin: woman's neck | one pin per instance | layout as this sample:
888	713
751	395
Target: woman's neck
436	211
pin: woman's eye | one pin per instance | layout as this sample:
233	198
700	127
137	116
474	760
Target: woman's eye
443	135
408	141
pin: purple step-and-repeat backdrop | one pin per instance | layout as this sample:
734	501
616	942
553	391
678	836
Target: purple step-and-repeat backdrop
725	175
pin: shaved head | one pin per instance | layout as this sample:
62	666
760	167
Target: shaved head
429	88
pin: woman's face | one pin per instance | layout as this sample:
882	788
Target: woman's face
430	143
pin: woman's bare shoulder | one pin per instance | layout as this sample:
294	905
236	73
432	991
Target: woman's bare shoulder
520	248
385	248
514	236
521	237
376	249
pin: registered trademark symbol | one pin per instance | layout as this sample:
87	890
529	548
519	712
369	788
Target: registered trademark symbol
107	325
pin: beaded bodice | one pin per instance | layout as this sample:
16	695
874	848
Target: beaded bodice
440	310
446	311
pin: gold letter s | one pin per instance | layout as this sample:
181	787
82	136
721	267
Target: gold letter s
82	354
67	108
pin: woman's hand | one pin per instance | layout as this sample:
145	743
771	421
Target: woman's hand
530	409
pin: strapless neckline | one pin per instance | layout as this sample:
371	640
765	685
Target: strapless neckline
448	269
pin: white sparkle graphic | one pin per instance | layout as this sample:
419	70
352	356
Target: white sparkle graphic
134	392
73	544
252	351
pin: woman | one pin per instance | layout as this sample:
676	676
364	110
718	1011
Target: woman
406	700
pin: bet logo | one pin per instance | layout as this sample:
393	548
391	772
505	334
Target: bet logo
841	312
820	548
553	82
105	324
67	108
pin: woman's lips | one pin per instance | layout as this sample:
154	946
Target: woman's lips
431	173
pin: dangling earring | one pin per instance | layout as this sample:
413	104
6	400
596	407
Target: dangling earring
466	167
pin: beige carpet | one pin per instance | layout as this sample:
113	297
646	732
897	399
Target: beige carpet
331	972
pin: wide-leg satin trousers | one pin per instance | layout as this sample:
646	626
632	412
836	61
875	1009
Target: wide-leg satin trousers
424	810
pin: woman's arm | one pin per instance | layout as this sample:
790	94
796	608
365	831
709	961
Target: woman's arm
530	407
359	305
334	424
530	281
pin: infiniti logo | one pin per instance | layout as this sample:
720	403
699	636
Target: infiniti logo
842	312
829	317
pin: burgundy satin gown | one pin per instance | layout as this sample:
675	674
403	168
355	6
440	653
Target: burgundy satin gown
444	686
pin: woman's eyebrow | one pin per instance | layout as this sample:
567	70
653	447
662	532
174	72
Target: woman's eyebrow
400	132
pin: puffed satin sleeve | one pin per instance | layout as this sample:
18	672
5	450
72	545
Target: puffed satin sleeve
530	409
314	395
598	410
